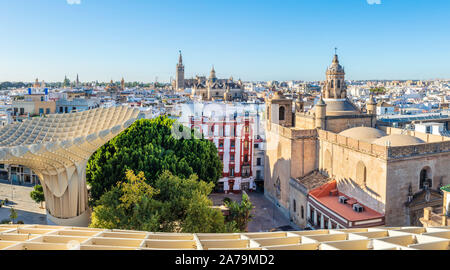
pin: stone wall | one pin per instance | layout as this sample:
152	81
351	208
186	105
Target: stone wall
298	193
357	145
341	165
403	172
290	153
304	121
341	123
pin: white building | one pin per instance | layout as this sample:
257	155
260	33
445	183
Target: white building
384	108
430	128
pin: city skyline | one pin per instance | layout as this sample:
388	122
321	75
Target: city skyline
254	41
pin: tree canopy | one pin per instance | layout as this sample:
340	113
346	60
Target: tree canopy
171	205
150	147
378	90
240	212
37	194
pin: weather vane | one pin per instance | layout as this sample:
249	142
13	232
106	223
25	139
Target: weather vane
335	50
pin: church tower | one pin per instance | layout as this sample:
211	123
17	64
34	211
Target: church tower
212	75
77	81
179	82
279	110
335	87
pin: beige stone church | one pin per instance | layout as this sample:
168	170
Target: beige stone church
333	167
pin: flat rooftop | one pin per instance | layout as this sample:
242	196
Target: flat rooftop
410	118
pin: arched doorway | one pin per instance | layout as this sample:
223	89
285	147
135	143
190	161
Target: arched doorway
425	178
281	114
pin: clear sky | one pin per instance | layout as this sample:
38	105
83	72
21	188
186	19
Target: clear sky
247	39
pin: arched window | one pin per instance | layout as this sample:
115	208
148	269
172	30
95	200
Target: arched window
302	210
425	178
295	206
361	174
332	83
338	83
281	113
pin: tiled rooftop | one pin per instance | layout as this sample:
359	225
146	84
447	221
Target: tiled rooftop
313	180
322	194
43	237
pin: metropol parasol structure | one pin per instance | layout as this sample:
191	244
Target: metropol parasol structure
57	147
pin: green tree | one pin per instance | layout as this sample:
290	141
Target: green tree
38	194
241	212
172	205
12	214
378	90
148	146
128	205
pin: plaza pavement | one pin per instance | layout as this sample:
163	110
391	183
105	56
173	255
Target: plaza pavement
267	216
27	210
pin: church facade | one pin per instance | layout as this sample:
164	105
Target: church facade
333	167
209	89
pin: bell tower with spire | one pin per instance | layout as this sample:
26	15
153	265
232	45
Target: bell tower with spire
179	81
335	87
212	75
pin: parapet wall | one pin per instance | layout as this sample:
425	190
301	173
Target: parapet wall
429	138
419	149
435	144
293	133
368	148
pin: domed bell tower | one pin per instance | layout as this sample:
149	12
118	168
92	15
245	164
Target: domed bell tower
335	86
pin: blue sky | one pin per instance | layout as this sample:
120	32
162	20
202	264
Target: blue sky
247	39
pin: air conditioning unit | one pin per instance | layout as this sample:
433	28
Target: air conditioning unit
358	208
343	199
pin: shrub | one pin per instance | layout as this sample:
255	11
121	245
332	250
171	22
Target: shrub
5	221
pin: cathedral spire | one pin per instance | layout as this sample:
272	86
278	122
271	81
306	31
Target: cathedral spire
213	74
180	59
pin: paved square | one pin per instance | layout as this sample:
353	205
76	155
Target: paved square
27	210
266	215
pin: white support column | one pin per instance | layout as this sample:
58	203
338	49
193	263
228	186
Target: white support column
322	220
315	217
308	211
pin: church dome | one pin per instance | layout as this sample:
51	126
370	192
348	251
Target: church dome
366	134
335	66
398	140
